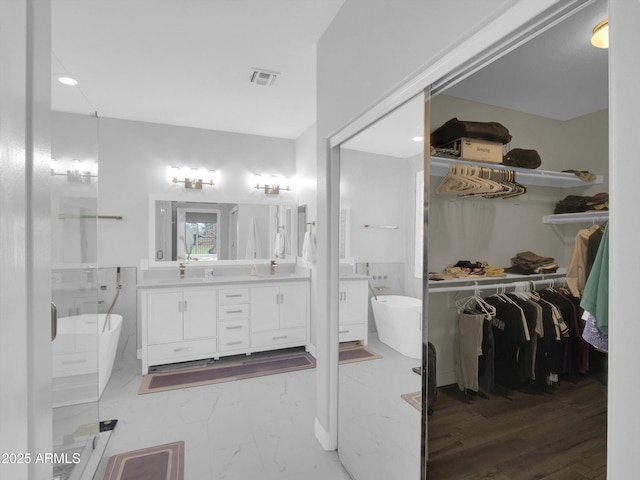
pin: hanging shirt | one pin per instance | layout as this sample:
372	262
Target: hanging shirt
595	298
577	268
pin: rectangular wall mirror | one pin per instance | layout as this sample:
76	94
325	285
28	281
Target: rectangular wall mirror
221	232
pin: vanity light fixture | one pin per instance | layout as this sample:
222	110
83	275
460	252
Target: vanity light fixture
600	37
272	185
77	172
193	178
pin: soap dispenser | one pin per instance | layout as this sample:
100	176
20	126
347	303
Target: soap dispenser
254	271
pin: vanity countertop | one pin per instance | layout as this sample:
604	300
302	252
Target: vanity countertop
221	280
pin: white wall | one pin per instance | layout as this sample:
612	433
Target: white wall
373	188
133	162
623	421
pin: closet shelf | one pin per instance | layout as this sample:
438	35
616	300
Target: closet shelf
436	286
582	217
525	176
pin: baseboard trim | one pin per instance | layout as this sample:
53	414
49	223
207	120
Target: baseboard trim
325	438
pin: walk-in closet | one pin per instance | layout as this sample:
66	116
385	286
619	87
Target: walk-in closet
517	254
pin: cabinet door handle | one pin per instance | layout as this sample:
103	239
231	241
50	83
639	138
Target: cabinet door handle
277	299
180	306
234	311
281	337
235	327
54	321
235	343
344	331
235	295
183	349
282	298
185	305
71	362
344	296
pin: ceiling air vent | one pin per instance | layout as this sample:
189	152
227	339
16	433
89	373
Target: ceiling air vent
263	77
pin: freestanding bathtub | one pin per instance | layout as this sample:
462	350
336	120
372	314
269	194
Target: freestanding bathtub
81	349
398	320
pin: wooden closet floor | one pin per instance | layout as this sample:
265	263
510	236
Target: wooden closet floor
558	434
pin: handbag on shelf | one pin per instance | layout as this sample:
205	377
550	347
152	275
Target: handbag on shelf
522	157
454	129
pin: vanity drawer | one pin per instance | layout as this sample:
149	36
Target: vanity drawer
233	335
351	332
283	336
233	311
230	296
181	351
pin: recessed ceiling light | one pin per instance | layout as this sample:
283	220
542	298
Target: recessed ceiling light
600	36
67	80
417	139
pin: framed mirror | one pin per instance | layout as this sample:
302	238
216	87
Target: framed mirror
221	232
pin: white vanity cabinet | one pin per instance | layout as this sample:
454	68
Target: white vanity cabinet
279	315
186	321
353	310
178	325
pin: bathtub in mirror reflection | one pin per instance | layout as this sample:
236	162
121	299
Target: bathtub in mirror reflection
398	321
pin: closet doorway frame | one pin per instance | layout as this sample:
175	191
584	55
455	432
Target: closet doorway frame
522	22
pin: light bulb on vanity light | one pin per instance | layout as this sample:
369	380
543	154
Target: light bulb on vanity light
192	178
273	184
75	170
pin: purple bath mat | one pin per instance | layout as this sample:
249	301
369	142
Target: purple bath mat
162	462
193	377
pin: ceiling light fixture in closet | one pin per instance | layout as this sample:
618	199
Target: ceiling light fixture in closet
600	37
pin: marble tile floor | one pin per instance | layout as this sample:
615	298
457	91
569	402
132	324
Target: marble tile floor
260	428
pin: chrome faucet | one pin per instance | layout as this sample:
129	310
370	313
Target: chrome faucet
273	267
182	268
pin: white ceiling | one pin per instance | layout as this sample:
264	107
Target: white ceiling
187	62
558	75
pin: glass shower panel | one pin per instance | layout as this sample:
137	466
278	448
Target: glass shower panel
379	409
76	346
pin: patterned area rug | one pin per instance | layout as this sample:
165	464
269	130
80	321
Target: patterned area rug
414	399
164	462
247	368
